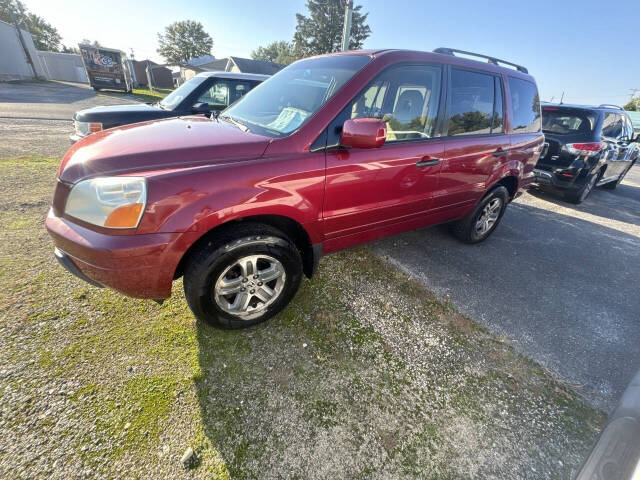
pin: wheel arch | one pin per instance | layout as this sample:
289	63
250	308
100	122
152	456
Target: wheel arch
309	252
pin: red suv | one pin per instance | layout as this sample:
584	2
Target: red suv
331	152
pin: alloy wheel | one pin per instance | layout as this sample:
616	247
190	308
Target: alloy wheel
249	285
488	216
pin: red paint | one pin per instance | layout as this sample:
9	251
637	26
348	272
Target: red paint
204	173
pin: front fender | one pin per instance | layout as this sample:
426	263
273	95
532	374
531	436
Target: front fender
197	200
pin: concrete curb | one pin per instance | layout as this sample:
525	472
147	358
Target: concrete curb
616	454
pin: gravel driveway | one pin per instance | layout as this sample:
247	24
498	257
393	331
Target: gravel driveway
561	281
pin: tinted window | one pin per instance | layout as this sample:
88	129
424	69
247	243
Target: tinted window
471	103
406	98
497	125
612	126
526	106
628	128
567	122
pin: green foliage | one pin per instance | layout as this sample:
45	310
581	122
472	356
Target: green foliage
321	31
280	52
95	43
183	41
633	105
45	36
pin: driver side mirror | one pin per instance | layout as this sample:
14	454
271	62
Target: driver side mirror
363	133
201	108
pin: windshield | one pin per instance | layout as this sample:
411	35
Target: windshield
287	100
172	100
566	122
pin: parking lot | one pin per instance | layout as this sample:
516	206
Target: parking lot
556	281
560	281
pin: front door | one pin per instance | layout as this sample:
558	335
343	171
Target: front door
373	188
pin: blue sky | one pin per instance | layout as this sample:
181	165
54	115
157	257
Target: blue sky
586	48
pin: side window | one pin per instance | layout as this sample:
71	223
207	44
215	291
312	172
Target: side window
525	104
239	89
217	96
612	126
628	127
471	102
497	125
406	98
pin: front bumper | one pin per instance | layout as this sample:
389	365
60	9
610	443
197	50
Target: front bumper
139	266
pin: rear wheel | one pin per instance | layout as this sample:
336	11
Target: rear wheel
243	277
484	218
613	185
580	195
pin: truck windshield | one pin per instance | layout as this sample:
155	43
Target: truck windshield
172	100
280	105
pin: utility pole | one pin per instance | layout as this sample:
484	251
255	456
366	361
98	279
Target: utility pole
346	33
24	45
633	92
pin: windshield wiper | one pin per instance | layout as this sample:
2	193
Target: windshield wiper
235	122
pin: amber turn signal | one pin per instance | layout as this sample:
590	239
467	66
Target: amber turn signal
126	216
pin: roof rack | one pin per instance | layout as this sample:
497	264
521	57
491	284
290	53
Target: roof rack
493	60
609	105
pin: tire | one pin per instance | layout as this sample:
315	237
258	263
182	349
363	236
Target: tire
494	204
96	89
214	269
580	195
613	185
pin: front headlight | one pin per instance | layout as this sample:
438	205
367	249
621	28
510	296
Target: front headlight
112	202
85	128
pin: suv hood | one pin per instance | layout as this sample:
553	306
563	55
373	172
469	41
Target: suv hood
174	143
114	115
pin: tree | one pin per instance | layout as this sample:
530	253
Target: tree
44	35
278	52
321	32
633	105
86	41
183	41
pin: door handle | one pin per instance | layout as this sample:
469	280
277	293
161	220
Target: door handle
500	153
427	162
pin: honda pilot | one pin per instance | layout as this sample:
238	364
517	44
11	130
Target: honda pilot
331	152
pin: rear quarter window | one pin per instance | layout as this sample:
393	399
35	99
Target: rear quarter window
525	105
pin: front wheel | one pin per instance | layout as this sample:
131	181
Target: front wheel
484	218
243	277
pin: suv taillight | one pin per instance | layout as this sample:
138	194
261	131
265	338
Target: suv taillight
590	149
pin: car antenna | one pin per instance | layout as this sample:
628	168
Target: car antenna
561	98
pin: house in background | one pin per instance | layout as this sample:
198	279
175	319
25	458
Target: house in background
242	65
635	119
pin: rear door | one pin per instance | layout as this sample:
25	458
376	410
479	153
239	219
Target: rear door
526	127
476	138
373	188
